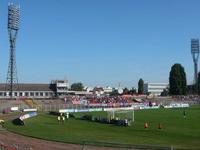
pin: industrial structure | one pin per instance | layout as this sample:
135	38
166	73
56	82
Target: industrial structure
13	27
195	56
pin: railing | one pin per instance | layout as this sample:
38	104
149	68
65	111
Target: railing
54	107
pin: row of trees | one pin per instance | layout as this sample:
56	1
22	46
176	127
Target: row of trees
177	83
79	87
131	91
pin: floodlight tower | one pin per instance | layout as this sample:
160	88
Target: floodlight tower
195	56
13	27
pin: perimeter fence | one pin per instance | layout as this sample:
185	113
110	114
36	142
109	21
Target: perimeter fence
54	107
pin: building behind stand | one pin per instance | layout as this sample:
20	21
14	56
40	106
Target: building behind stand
31	90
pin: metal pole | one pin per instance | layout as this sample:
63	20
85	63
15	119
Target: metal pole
195	56
13	27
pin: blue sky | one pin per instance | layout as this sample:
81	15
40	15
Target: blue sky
101	42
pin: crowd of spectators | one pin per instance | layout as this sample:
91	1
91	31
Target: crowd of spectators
191	99
110	100
103	100
125	101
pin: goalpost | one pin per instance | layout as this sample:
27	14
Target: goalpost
121	114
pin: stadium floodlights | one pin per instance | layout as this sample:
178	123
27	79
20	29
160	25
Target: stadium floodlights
194	46
13	16
121	114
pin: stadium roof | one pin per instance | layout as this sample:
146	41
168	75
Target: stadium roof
31	87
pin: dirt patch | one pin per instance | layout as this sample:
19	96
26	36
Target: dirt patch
23	142
28	143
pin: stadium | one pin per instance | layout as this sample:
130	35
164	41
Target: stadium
53	117
100	125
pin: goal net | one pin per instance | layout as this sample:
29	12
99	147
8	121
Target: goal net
121	115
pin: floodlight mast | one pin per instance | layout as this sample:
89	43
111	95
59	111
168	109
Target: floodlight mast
195	56
13	27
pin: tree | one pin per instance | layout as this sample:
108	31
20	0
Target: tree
165	92
114	93
125	91
140	86
177	80
77	86
133	91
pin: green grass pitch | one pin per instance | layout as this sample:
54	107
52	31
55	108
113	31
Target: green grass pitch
177	131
